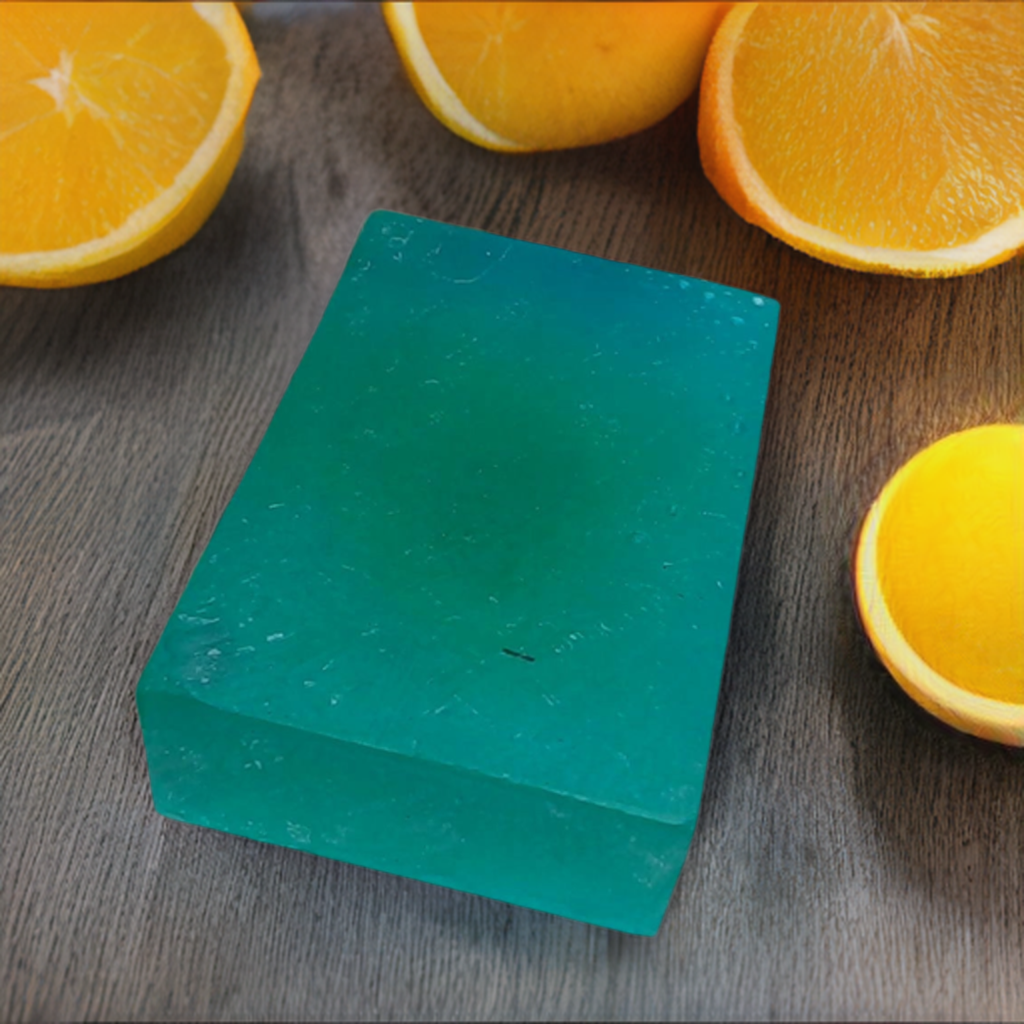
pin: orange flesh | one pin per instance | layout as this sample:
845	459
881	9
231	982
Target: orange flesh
542	73
114	94
908	102
951	562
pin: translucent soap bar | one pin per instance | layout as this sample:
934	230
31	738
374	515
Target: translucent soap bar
465	617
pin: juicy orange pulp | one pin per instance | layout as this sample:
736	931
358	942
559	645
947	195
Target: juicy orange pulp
877	136
951	559
113	119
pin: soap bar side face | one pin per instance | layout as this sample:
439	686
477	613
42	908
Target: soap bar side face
402	815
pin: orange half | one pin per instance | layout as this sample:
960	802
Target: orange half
120	127
939	579
883	137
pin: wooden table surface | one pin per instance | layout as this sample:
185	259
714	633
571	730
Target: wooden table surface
854	858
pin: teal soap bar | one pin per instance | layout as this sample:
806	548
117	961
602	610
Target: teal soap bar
465	617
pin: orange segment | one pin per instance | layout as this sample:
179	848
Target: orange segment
940	579
120	125
538	76
882	137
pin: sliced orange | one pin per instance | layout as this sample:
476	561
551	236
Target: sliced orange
884	137
120	127
939	577
537	76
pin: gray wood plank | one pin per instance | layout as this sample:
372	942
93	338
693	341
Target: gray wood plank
854	859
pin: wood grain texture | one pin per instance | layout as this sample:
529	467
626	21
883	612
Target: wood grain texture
854	858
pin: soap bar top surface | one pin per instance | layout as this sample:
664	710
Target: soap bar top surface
496	520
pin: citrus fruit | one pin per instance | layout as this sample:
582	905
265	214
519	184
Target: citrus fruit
939	578
536	76
120	126
883	137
